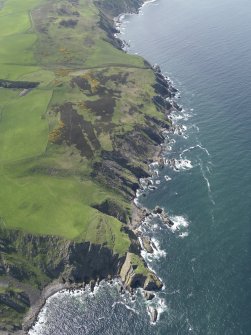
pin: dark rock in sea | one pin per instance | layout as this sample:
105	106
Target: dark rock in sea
152	188
148	295
146	241
157	210
156	68
176	106
121	290
166	220
173	89
92	285
161	163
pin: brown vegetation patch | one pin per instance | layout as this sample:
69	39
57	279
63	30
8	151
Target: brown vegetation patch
82	83
74	130
118	78
103	107
88	42
65	11
68	23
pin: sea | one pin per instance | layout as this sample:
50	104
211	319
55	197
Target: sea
204	260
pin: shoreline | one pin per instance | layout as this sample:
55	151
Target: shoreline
139	214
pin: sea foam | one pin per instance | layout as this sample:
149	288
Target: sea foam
180	223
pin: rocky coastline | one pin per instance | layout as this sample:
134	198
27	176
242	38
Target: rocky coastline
72	266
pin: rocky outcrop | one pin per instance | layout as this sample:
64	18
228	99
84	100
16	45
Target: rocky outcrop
55	256
146	241
134	273
116	7
122	167
110	207
35	261
153	314
149	295
17	84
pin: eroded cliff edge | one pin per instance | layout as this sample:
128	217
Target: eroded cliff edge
108	130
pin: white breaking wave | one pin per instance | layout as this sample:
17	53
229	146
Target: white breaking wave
182	235
195	147
203	148
157	303
178	164
157	251
180	223
183	164
208	184
126	306
175	116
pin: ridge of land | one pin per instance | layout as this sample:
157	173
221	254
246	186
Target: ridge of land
80	120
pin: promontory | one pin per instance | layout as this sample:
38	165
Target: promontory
80	121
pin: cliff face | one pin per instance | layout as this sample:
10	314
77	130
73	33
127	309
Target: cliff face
116	7
55	256
29	263
134	275
122	167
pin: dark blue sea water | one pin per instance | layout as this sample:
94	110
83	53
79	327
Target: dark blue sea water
204	46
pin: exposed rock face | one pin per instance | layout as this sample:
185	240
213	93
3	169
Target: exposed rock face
56	257
133	277
116	7
18	301
147	244
18	84
157	210
166	220
42	259
122	167
153	314
149	295
111	208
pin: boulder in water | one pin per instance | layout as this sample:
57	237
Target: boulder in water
157	210
149	295
153	314
146	241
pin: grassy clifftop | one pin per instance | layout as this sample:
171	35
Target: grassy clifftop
77	128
